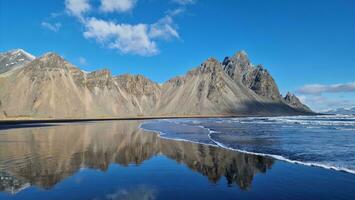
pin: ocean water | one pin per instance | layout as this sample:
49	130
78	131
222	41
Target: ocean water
119	160
326	141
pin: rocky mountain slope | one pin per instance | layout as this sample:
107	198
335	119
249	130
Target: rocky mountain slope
14	59
51	87
258	79
291	100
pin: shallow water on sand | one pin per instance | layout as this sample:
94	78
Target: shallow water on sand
324	141
119	160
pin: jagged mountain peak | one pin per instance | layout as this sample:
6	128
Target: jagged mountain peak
211	60
260	67
292	98
242	56
237	65
51	55
261	82
261	70
210	66
22	52
239	58
49	86
256	78
14	59
289	95
293	101
50	60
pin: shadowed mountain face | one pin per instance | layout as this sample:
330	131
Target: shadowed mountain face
44	156
51	87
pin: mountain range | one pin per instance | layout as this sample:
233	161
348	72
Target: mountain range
51	87
342	111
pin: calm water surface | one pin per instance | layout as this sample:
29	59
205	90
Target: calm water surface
119	160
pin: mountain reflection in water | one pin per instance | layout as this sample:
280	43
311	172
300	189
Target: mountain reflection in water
44	156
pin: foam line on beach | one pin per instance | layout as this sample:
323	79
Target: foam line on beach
277	157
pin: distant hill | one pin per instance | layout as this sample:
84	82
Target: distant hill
342	111
51	87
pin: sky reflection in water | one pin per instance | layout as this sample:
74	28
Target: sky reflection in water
117	160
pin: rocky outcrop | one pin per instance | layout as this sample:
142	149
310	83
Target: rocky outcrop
140	91
237	66
260	81
256	78
137	85
291	100
51	87
99	79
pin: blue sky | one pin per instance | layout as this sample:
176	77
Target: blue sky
308	46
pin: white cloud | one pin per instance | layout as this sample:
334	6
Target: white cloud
176	11
132	39
77	7
82	61
164	28
141	192
53	27
117	5
321	103
184	2
318	89
139	39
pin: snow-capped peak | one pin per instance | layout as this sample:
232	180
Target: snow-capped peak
15	52
14	59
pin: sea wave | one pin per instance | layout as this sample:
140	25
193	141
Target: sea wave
282	158
221	145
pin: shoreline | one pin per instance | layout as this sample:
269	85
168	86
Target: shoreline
273	156
19	121
276	157
14	122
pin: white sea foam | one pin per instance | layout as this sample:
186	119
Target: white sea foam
277	157
304	121
345	129
161	135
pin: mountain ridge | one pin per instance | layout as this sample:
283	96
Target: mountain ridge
13	59
341	111
51	87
